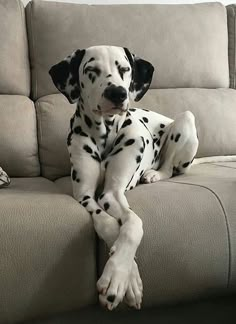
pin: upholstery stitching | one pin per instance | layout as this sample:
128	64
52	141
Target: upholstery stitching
34	79
223	166
226	222
234	67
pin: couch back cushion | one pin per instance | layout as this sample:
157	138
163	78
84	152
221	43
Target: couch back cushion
187	44
18	136
14	60
53	116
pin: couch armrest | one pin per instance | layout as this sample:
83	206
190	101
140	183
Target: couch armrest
231	19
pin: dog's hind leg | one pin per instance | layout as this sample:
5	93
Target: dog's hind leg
179	149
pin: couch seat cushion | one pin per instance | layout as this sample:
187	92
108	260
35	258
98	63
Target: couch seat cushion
189	244
47	248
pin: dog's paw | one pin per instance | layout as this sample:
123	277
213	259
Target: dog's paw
151	176
113	284
134	293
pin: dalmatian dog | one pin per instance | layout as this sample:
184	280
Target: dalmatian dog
117	147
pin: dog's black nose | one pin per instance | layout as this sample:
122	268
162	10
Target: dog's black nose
115	94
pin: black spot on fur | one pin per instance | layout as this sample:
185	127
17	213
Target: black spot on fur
69	138
101	196
96	157
141	150
172	137
145	119
86	197
88	121
110	122
93	140
77	112
129	142
108	76
106	206
161	132
74	174
162	125
119	139
176	170
77	130
74	93
82	85
111	298
177	137
131	187
98	211
127	122
117	151
87	149
185	165
147	141
78	180
83	134
106	164
138	158
120	222
132	109
85	204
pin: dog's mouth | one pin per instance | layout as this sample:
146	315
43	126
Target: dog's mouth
111	110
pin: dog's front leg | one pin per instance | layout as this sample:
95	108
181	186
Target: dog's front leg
125	160
85	174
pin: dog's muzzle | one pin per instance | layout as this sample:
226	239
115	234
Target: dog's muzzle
116	95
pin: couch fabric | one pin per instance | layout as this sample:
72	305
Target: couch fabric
47	251
14	67
50	256
57	30
231	19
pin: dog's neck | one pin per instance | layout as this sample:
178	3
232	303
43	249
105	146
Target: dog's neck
102	128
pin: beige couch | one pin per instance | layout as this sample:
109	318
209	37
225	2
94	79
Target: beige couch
49	252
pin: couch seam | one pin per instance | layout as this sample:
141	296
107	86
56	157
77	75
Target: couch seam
234	68
223	166
226	223
34	80
25	40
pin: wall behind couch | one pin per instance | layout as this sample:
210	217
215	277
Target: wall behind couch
136	1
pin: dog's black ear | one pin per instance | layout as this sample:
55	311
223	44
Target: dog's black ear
142	72
65	75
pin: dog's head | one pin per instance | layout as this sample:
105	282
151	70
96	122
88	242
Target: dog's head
105	77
